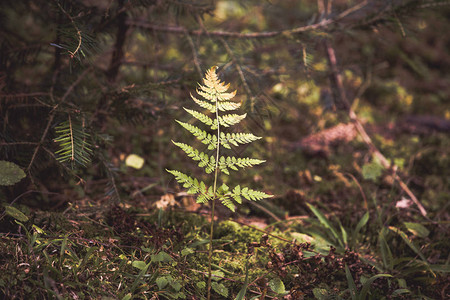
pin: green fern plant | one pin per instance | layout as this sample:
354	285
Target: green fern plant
216	101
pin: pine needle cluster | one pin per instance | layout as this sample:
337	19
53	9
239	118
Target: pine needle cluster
217	101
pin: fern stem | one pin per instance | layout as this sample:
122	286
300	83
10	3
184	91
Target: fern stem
216	171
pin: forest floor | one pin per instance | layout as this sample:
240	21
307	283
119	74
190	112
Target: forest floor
336	236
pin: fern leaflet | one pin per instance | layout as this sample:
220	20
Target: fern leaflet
204	161
193	185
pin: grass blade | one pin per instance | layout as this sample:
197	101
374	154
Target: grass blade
241	294
351	283
408	242
366	285
359	226
324	221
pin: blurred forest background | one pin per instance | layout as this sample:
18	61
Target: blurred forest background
351	98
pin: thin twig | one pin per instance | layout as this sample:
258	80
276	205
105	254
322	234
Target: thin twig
72	53
338	82
80	180
18	143
366	205
22	95
240	72
194	53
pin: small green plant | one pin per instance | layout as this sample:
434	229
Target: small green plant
216	100
74	146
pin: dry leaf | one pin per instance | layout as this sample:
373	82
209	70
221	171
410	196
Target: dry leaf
166	201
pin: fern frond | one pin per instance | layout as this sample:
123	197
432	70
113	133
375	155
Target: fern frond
201	117
207	90
224	196
229	120
227	105
228	202
205	161
208	96
233	162
212	81
73	143
248	194
236	194
225	120
204	104
193	185
215	100
201	135
226	96
213	94
236	139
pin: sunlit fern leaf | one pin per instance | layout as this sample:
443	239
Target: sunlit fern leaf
225	120
211	97
236	194
233	163
203	136
215	100
73	143
204	104
226	105
224	196
201	117
205	161
249	194
212	81
229	120
236	138
193	185
226	96
210	88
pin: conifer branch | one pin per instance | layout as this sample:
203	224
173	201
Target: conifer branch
53	113
72	139
78	31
